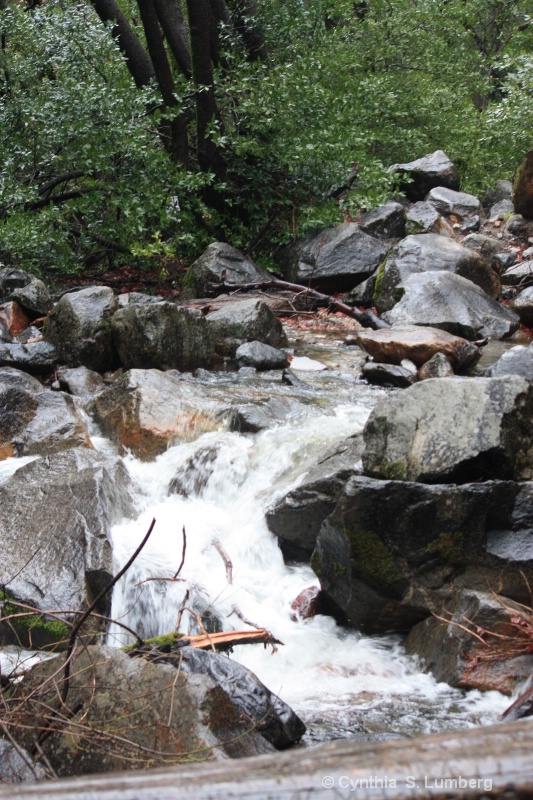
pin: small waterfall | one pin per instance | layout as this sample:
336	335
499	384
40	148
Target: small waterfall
217	489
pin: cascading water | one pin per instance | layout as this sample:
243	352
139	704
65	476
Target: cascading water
217	488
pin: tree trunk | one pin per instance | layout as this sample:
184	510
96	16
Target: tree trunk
200	19
252	35
175	131
137	59
173	24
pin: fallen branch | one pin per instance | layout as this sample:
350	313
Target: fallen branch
173	642
365	318
225	558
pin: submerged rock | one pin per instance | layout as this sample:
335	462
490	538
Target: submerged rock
452	430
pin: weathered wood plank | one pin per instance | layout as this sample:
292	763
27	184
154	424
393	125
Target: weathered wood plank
492	762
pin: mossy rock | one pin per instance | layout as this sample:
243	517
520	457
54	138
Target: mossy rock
30	631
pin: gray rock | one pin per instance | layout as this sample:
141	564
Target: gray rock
386	221
394	552
16	765
454	304
253	417
429	252
487	246
448	201
34	298
501	209
245	321
260	356
162	336
270	716
16	379
79	381
55	519
505	260
38	423
516	361
138	298
297	517
471	224
522	305
79	328
465	661
502	190
426	173
452	430
11	279
150	714
438	366
222	263
35	357
362	294
336	259
517	226
388	375
5	335
518	274
423	217
147	411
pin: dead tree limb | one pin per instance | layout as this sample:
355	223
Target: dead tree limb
225	558
365	318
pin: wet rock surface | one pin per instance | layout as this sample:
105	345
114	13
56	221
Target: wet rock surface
418	344
245	321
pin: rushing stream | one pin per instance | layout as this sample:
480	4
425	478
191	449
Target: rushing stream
340	682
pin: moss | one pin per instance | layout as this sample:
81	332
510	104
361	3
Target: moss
164	642
449	547
338	571
378	286
373	563
52	630
395	471
316	563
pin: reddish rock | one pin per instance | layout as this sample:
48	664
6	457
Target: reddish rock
14	318
308	604
418	344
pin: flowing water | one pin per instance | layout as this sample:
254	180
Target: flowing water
340	682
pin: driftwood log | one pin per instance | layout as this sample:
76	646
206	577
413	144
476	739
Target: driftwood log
365	318
491	763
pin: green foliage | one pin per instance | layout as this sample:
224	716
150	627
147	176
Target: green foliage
346	83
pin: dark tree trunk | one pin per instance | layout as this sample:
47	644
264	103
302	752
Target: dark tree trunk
200	25
174	28
137	59
252	35
174	133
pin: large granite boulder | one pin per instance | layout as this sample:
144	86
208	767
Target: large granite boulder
222	263
523	187
423	217
55	519
426	173
418	344
131	711
272	718
454	304
516	361
336	259
245	321
11	279
460	204
34	298
522	305
147	411
477	642
35	357
429	252
296	518
162	336
79	327
36	422
442	430
386	221
394	552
